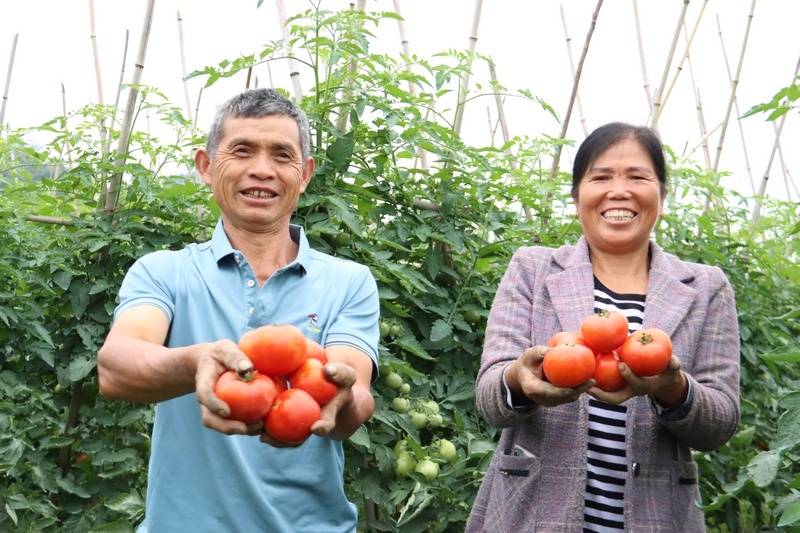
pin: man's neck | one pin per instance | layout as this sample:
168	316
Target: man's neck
266	251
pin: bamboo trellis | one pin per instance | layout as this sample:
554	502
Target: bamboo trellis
462	94
186	98
568	40
294	73
642	61
565	124
109	202
8	79
657	97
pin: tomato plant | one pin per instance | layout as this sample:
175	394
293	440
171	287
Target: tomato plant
311	378
604	331
606	372
647	352
275	350
428	469
291	416
568	365
249	396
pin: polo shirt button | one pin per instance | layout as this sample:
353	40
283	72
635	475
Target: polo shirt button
636	467
250	311
238	258
250	282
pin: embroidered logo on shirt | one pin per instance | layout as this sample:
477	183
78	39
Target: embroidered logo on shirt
312	322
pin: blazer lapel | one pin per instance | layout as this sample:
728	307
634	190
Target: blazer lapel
571	290
669	296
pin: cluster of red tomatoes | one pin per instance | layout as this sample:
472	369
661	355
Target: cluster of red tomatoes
288	387
597	349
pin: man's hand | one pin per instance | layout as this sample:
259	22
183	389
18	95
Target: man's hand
212	361
668	388
525	375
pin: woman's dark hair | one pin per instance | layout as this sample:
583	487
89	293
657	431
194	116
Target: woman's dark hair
607	136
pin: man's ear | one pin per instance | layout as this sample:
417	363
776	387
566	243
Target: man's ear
202	161
308	171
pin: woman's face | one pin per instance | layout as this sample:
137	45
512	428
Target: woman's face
619	199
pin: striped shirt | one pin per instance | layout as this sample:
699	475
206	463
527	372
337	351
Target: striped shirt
607	465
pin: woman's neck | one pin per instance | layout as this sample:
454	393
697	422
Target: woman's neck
622	273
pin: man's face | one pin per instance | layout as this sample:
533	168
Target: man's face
257	172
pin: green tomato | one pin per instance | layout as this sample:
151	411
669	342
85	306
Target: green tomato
435	420
472	316
418	419
405	464
400	447
405	388
400	405
430	407
428	469
447	450
393	380
395	330
385	329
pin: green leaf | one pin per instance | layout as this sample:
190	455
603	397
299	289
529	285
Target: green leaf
70	486
440	330
763	468
410	344
480	447
788	429
42	333
117	526
62	279
130	504
12	514
79	368
791	400
361	437
789	357
50	443
340	151
790	515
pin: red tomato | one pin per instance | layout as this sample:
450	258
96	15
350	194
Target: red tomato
311	378
292	415
604	331
565	337
275	350
606	373
315	350
568	365
249	397
647	352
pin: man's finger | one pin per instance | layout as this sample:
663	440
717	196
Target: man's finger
223	425
205	379
342	375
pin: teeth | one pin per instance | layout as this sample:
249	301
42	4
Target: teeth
259	194
618	214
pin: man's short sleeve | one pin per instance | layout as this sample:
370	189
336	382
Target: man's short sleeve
147	282
357	323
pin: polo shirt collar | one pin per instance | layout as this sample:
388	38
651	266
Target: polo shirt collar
221	246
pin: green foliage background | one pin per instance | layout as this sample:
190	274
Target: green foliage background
437	240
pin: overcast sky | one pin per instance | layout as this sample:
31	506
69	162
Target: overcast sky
525	38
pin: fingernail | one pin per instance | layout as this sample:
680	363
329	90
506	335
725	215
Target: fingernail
244	365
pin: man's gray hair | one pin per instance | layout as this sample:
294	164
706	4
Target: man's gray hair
257	103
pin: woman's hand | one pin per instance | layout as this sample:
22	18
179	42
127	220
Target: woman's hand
668	387
525	376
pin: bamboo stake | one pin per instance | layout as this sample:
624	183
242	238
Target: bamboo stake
294	73
641	57
341	121
763	187
95	54
269	75
568	40
186	98
249	75
655	112
106	147
684	57
501	115
734	84
8	79
698	104
462	94
786	177
736	107
127	122
576	81
704	139
422	155
57	167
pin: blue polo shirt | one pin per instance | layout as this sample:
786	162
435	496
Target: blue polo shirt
200	480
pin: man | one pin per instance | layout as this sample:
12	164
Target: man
181	313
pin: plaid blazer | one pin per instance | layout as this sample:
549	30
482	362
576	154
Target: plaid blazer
537	477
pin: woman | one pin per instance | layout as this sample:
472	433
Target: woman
606	461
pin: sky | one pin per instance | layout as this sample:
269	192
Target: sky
525	38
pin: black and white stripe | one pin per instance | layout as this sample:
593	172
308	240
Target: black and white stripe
607	466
